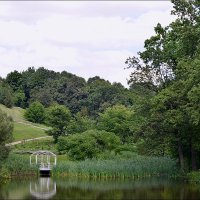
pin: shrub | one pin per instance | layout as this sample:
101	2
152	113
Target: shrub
89	144
35	113
4	173
194	177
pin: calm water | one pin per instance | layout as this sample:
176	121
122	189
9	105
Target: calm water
48	188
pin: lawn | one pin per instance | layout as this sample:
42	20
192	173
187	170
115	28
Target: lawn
26	131
35	145
23	129
16	113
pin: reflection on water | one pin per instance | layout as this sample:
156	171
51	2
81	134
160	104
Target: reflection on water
43	188
49	188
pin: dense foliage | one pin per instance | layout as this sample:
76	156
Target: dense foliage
57	117
170	63
89	144
6	128
117	119
35	113
49	87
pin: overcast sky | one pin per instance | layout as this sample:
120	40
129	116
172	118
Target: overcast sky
82	37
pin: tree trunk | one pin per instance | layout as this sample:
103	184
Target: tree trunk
180	153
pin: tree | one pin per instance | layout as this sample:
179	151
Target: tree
14	80
170	62
35	113
102	94
180	40
80	124
117	119
6	128
58	117
89	144
19	99
6	97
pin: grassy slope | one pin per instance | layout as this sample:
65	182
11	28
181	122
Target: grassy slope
26	130
23	131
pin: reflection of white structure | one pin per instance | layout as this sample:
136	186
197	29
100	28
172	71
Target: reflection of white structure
44	160
44	188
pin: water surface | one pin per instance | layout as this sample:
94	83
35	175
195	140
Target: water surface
49	188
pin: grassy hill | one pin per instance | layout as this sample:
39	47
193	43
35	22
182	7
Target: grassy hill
23	129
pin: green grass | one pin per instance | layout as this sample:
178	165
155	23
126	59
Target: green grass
16	113
35	145
19	165
23	131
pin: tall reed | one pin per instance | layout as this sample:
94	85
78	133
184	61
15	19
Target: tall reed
137	167
19	165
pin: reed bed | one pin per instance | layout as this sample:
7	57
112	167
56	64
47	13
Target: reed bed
18	165
137	167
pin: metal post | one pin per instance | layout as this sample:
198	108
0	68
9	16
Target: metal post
30	160
36	159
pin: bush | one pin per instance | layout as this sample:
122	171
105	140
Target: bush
89	144
4	173
35	113
194	177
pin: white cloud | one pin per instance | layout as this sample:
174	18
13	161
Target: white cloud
85	38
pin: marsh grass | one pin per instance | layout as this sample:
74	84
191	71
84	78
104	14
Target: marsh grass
136	167
19	165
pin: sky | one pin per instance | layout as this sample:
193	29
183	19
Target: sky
86	38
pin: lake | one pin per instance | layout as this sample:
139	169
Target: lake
68	188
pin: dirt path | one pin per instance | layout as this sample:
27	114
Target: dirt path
27	140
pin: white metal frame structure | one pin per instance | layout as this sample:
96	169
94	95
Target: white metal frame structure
43	159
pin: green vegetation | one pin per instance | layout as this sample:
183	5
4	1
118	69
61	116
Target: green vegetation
35	113
16	113
6	128
23	129
58	118
6	97
117	119
27	131
89	144
35	145
19	165
132	166
194	177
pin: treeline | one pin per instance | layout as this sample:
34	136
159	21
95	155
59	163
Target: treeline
49	87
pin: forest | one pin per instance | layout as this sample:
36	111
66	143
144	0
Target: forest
158	115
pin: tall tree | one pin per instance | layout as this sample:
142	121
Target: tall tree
170	62
117	119
58	117
6	128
